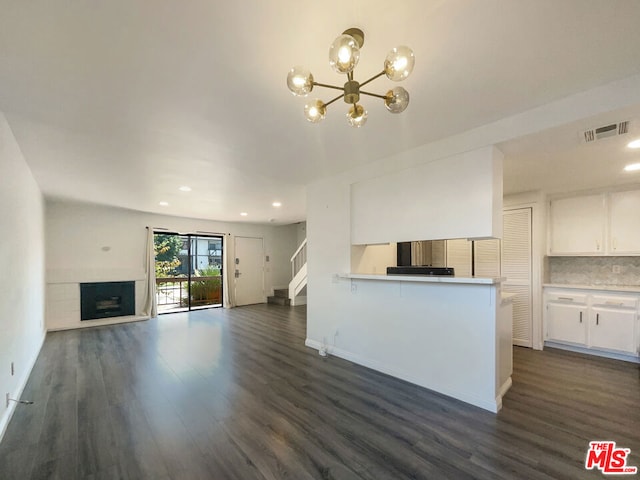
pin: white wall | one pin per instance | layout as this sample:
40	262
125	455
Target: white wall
301	232
77	233
453	197
373	259
22	279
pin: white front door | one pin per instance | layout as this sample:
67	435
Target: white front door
249	271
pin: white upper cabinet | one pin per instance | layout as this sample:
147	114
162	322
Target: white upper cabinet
624	231
578	225
596	224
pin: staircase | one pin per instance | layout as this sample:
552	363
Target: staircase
296	294
298	285
280	297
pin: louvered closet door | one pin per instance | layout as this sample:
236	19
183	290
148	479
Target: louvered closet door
487	258
459	256
516	267
438	253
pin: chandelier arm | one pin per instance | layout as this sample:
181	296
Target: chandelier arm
335	87
333	100
384	97
372	78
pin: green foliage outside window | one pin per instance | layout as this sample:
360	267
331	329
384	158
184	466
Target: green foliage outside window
166	249
206	291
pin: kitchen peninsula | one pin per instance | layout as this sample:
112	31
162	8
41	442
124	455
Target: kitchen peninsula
448	334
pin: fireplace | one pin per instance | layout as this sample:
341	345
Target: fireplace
106	300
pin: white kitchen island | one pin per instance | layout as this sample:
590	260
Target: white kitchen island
448	334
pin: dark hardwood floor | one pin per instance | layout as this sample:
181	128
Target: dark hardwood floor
235	394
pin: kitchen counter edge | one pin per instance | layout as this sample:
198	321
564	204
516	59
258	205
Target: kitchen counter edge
424	278
608	288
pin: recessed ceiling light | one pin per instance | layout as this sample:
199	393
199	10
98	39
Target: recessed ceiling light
184	188
243	214
163	204
632	167
277	204
634	144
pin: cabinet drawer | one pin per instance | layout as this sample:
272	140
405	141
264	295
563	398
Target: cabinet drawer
567	297
614	302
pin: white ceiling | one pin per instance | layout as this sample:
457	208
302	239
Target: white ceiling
558	160
122	102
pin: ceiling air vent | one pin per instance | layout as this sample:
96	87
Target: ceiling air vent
605	131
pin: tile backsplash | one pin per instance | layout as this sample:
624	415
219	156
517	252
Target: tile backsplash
594	270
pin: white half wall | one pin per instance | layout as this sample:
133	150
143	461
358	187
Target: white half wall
376	324
440	336
22	279
78	232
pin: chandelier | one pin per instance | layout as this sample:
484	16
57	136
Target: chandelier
344	54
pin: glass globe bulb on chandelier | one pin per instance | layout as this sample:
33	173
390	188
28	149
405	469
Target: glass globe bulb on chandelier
344	55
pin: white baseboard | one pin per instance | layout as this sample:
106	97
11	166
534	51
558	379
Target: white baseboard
100	323
501	392
8	413
627	357
492	406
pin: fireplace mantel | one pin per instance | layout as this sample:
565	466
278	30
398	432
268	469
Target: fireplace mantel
63	295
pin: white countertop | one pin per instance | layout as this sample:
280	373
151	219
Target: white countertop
608	288
424	278
506	298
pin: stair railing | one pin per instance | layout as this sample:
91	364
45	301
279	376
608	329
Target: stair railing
299	258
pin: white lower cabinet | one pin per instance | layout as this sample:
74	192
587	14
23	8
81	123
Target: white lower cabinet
613	329
597	320
567	323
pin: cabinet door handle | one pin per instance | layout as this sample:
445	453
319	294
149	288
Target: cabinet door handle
569	299
580	317
615	243
597	319
597	245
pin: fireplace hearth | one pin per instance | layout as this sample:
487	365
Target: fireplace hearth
106	300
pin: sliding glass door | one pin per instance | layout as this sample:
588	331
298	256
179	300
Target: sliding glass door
205	280
188	272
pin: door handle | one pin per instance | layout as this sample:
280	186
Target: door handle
597	319
580	317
